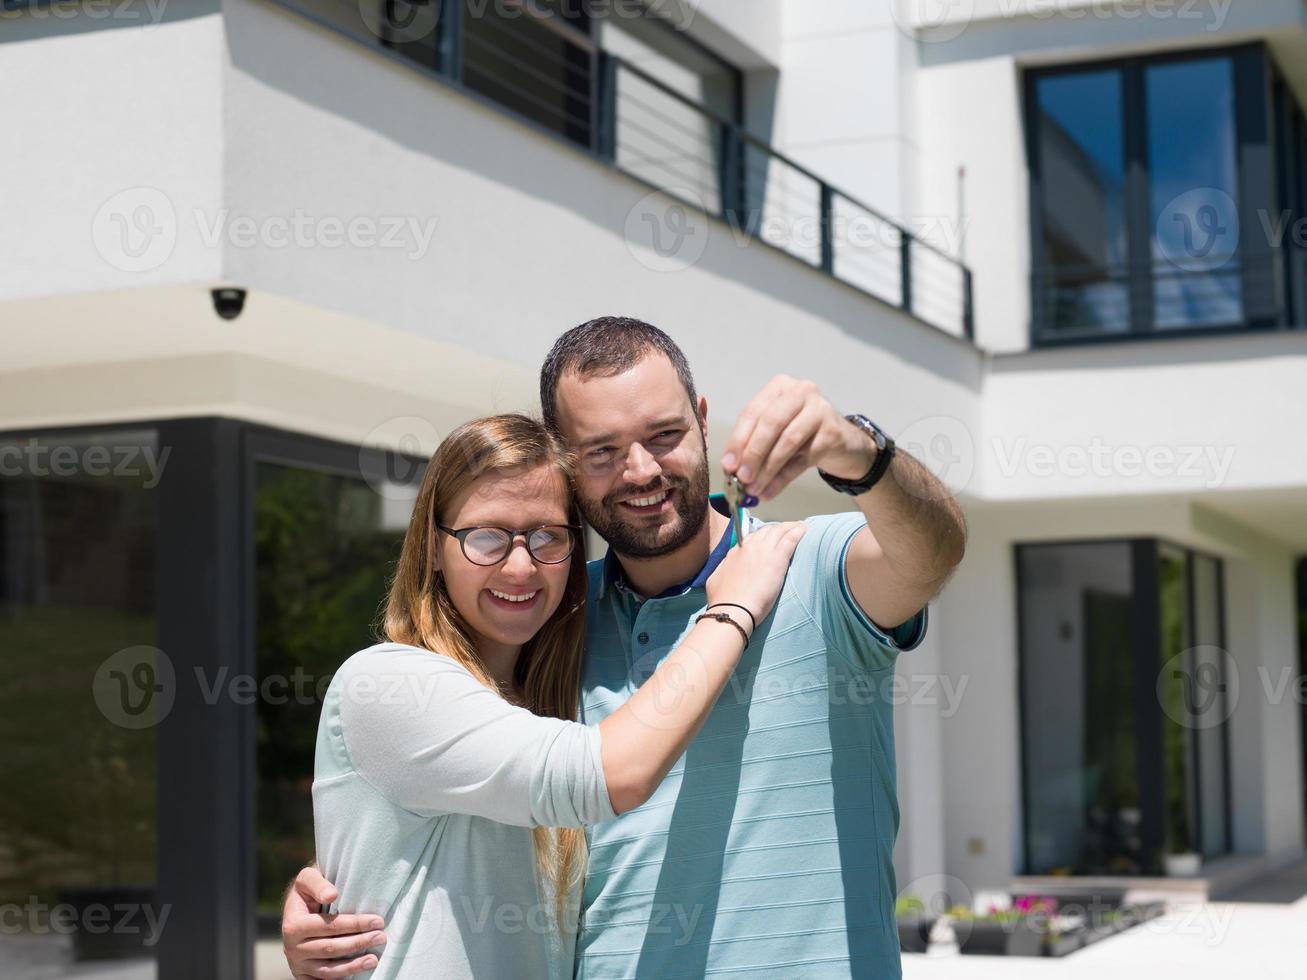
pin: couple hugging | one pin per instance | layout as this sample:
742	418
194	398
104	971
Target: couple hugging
669	762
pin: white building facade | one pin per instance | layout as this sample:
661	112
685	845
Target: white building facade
259	255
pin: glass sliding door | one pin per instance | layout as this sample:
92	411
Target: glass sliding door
1122	706
82	690
326	536
1078	709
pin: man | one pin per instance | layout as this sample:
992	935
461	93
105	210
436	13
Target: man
768	849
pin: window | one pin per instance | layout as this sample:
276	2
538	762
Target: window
78	529
325	544
1147	189
1123	706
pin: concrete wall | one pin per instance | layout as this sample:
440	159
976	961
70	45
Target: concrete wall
980	760
109	119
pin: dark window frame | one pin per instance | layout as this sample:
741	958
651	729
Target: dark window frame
207	767
1265	309
1149	716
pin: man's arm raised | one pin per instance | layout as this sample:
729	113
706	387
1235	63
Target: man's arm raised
915	533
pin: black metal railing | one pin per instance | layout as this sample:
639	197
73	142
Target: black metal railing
550	72
1226	292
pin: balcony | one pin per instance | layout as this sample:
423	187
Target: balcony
546	68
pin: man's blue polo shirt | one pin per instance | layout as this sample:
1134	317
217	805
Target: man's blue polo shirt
767	851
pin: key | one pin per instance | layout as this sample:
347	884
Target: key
739	499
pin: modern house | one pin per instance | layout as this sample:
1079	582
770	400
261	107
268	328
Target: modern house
256	256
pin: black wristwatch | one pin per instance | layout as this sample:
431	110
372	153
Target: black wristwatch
884	456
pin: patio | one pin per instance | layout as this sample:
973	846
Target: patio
1257	931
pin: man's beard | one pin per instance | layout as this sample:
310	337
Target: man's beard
689	501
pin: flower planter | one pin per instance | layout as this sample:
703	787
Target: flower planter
982	938
110	922
914	933
1066	943
1182	865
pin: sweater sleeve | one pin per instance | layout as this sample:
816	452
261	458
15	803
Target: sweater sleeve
431	738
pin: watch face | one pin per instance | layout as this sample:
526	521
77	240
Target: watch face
869	427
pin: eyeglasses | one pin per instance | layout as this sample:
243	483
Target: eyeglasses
549	544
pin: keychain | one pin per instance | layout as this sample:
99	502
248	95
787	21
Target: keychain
739	499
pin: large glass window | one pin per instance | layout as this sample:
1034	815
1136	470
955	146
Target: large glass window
1144	220
1122	765
78	704
325	543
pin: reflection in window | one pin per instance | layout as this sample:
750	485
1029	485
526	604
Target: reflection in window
78	528
1141	212
325	544
1092	788
1193	187
1082	156
1078	709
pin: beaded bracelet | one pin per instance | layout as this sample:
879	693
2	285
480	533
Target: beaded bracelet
724	618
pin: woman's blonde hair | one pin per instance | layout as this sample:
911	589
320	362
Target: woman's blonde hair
420	613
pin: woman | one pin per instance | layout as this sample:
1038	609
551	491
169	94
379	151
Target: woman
451	781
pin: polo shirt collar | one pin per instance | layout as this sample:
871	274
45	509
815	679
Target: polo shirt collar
613	568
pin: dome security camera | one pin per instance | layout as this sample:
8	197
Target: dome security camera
228	303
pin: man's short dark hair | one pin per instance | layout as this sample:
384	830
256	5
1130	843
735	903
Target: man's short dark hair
607	346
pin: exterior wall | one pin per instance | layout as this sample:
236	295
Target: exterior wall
309	117
844	102
136	104
1211	410
980	762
